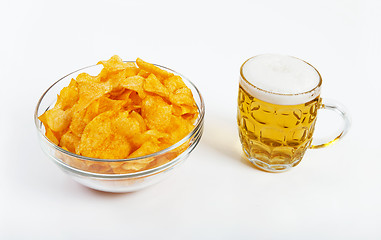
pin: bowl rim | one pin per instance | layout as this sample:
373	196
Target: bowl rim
198	124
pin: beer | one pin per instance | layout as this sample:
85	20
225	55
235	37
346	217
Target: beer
275	134
278	101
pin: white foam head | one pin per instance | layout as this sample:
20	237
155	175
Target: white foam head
280	79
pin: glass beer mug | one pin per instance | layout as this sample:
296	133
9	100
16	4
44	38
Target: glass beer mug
278	102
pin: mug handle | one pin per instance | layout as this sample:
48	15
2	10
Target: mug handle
332	105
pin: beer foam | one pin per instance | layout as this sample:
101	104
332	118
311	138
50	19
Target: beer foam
280	79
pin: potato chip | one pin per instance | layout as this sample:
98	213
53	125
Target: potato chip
92	111
183	109
152	135
140	119
178	128
52	136
85	77
42	118
124	95
118	147
174	83
149	67
95	134
114	80
107	104
103	167
156	112
153	85
126	125
131	71
99	140
68	96
49	133
146	148
69	141
134	83
90	91
135	102
82	117
182	96
57	119
143	73
115	63
136	165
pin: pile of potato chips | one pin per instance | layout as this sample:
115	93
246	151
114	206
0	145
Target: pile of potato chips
128	110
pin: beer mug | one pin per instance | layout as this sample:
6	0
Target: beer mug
278	102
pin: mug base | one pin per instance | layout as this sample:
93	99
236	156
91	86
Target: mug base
273	168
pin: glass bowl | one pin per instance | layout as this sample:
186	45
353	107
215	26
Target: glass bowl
117	175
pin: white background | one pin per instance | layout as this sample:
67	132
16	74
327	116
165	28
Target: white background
335	193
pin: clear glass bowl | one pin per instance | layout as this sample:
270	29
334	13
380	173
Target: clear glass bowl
117	175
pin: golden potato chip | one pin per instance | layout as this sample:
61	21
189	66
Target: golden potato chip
183	109
125	95
51	136
149	67
174	83
131	71
68	96
115	63
73	84
190	117
140	119
57	119
90	91
102	76
95	134
69	141
153	85
107	104
72	161
99	140
92	111
178	128
146	148
163	158
152	135
85	77
182	96
156	112
82	117
42	118
134	103
126	125
134	83
103	167
78	124
136	165
114	80
117	147
143	73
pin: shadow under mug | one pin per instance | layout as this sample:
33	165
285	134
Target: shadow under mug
275	134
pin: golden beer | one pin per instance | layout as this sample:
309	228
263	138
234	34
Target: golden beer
275	136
